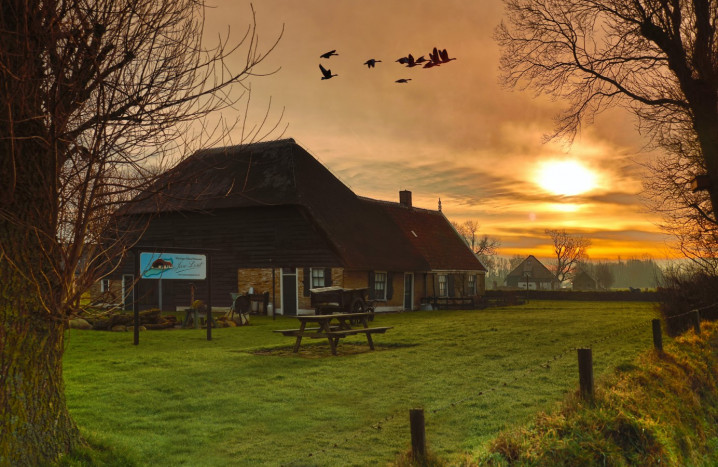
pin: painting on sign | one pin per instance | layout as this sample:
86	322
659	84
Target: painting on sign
173	266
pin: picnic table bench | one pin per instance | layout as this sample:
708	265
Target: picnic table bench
332	327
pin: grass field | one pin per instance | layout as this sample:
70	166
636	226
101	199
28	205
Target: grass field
245	399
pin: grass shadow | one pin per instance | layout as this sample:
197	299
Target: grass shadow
322	350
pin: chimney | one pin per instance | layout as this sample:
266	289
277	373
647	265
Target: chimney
405	198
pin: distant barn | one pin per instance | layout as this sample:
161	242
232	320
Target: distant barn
583	281
532	274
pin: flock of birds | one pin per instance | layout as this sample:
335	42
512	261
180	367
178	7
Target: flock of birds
436	57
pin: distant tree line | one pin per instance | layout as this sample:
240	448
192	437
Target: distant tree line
635	273
621	274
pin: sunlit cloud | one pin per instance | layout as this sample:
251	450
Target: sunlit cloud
452	133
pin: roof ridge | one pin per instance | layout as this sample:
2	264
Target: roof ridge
397	204
252	145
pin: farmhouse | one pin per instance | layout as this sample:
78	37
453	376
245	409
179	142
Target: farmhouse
279	223
583	281
532	274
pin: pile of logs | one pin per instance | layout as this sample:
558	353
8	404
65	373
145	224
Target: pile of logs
149	319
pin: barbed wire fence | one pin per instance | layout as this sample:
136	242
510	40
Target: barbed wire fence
398	417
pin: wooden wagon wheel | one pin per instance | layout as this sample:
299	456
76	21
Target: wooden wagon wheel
357	306
370	307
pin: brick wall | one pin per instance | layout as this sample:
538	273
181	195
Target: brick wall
113	295
261	280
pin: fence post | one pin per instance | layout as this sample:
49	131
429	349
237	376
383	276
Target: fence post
418	435
697	321
657	335
585	373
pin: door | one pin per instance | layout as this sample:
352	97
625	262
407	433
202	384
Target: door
128	292
408	290
289	291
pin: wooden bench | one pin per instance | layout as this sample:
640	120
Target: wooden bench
339	333
448	303
306	331
351	332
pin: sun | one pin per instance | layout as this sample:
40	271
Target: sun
566	178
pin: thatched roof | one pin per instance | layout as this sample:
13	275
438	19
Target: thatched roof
365	233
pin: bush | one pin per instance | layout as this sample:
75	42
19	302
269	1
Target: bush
684	290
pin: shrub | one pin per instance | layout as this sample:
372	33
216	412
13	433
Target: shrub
684	290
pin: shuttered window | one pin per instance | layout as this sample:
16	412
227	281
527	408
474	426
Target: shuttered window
380	286
471	285
443	285
317	278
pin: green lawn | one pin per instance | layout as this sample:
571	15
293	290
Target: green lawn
178	399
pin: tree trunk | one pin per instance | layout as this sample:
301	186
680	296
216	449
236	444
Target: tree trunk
34	421
35	425
707	130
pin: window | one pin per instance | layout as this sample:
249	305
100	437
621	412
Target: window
443	289
471	285
105	285
317	278
380	285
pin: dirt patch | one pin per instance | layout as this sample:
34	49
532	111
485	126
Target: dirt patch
321	351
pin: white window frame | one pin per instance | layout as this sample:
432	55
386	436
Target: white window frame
104	285
319	278
471	284
443	285
380	285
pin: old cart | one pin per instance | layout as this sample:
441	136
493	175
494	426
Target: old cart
328	300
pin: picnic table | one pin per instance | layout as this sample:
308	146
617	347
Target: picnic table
333	327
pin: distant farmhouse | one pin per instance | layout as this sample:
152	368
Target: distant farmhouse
583	281
272	214
532	274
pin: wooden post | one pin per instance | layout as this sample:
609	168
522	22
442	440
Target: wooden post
585	373
209	297
135	299
418	435
274	293
697	321
657	335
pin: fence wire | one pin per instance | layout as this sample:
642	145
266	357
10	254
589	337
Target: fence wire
545	364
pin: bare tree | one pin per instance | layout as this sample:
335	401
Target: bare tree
96	98
570	250
668	192
483	246
604	276
515	261
655	58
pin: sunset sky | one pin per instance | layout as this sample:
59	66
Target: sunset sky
452	132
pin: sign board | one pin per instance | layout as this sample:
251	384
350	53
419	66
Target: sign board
173	266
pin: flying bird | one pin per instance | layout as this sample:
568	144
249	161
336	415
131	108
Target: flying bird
435	58
421	59
444	55
403	60
329	54
371	63
327	73
410	61
403	80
